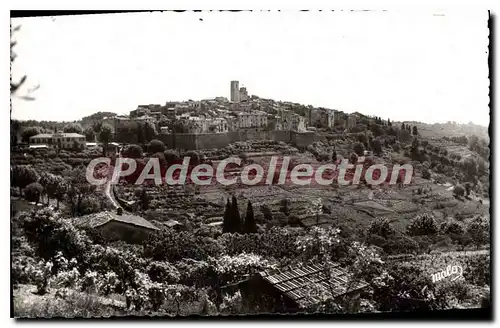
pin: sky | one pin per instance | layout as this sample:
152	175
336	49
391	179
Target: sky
407	66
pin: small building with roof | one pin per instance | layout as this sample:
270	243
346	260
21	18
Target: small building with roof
59	140
117	226
294	289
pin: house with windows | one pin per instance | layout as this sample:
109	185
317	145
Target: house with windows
59	140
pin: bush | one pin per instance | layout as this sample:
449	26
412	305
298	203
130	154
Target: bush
426	174
359	148
459	191
381	227
163	272
133	151
424	224
49	235
156	146
89	205
174	246
452	227
33	191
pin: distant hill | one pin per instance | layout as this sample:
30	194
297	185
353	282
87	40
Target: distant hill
89	120
450	129
98	116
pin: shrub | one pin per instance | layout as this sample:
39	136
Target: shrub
23	175
459	191
33	191
452	227
424	224
479	230
477	270
89	205
156	146
133	151
49	235
359	148
426	174
381	227
162	272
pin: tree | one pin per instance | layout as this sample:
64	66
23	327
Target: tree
16	86
376	146
415	130
424	224
266	211
15	127
227	222
458	191
29	132
468	188
171	155
33	191
481	166
156	146
144	199
89	134
359	148
452	227
73	128
426	174
105	137
133	151
249	226
403	128
382	228
470	166
236	218
149	131
97	126
54	186
404	136
353	158
78	188
285	206
479	230
23	175
389	123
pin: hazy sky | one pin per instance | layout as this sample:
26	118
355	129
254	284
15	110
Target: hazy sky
423	66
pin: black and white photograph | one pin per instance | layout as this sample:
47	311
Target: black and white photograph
256	163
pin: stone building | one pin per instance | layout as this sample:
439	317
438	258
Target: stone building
60	140
117	226
293	289
235	91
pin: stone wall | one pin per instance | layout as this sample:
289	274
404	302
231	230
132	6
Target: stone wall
191	141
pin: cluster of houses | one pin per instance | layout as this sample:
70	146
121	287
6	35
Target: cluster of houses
219	115
214	115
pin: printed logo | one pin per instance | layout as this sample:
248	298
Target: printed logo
455	272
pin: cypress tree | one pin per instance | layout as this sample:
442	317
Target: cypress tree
250	226
235	217
226	224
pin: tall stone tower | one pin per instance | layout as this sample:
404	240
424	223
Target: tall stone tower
235	91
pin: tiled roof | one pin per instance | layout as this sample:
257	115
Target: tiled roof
73	135
64	135
298	283
41	135
101	218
